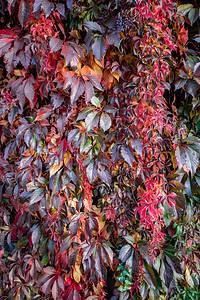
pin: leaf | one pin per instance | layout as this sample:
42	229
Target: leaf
36	235
192	160
188	277
105	121
166	273
113	39
77	89
99	48
91	172
149	276
92	120
127	154
191	87
83	114
193	15
44	113
57	100
95	101
125	253
24	11
93	26
105	176
137	146
55	290
37	196
180	155
184	8
94	80
29	90
196	71
37	5
89	91
55	44
61	8
69	4
47	7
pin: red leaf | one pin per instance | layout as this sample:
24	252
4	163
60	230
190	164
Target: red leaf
24	11
55	290
44	113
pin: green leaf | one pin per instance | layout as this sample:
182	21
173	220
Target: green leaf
83	114
193	15
95	101
184	9
188	277
105	121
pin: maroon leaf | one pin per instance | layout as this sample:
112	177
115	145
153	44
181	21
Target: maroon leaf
99	48
24	11
94	81
89	91
77	90
29	90
47	7
55	44
91	172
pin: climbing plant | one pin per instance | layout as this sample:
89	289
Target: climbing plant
99	149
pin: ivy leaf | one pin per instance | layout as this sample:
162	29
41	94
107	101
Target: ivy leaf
193	15
29	90
55	44
77	90
137	146
95	101
127	154
24	11
92	120
93	26
105	176
83	114
192	160
188	277
105	121
91	172
184	9
89	91
166	273
99	48
180	155
125	253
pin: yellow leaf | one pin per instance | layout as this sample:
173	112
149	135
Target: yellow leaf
18	72
55	168
67	157
77	274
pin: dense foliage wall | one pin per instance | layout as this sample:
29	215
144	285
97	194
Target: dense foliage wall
99	149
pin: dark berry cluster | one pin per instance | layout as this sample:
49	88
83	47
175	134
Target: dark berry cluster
123	24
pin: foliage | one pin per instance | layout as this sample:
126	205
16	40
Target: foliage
99	150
